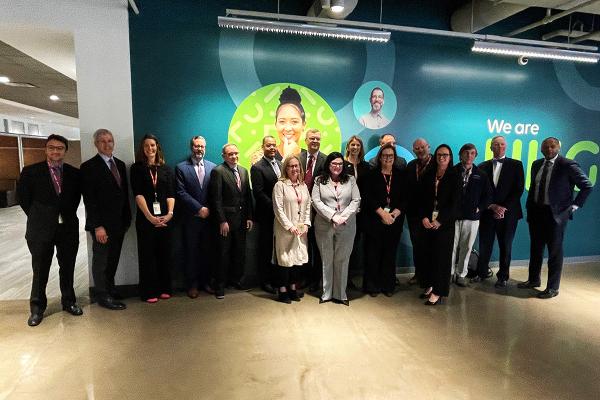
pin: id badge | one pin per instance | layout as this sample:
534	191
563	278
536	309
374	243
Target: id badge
434	216
60	219
386	209
156	208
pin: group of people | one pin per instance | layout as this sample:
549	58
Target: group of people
320	217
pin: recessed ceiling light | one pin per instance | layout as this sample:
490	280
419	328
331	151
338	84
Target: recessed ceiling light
54	97
4	79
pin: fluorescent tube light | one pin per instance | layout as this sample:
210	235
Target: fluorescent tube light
507	49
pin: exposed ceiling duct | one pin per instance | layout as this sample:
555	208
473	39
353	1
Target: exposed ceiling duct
479	14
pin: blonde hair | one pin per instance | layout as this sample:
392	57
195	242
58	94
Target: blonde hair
286	163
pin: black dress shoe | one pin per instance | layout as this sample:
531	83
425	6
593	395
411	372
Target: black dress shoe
388	294
313	287
501	283
73	309
35	319
293	295
284	297
434	303
345	302
266	287
321	301
220	294
528	285
241	287
111	304
548	294
373	294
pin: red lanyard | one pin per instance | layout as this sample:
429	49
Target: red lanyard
419	170
298	195
154	178
55	178
388	186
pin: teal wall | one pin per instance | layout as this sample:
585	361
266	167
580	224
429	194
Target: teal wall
189	77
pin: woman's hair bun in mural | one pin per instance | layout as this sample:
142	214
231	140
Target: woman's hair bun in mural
285	111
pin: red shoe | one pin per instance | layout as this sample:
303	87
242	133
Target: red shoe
152	300
165	296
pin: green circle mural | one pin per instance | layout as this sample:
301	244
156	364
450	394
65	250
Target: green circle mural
255	118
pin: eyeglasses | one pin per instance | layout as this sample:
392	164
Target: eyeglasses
387	156
56	148
337	164
443	155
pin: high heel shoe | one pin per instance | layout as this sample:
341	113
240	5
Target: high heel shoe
321	301
434	303
424	295
284	297
293	294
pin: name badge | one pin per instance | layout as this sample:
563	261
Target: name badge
156	208
434	216
60	219
386	209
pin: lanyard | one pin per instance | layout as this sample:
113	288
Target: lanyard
337	196
154	178
437	182
388	186
298	195
419	170
55	179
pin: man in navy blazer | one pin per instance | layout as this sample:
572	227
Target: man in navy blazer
264	174
550	205
49	193
500	219
193	178
108	215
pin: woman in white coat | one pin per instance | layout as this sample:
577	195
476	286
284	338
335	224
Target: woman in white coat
291	204
336	199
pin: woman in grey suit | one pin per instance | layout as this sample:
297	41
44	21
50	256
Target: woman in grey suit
336	199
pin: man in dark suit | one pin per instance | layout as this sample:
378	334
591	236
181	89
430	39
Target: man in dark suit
312	161
265	174
49	193
507	181
232	210
386	138
193	179
106	198
550	205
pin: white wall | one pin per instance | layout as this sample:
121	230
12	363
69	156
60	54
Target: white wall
101	34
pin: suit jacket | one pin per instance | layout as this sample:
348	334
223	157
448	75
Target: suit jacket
325	201
511	184
475	195
191	197
448	196
412	186
362	169
319	162
263	180
106	204
230	204
42	205
566	174
374	195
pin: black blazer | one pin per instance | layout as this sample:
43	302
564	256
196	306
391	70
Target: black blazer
476	195
511	184
42	205
319	162
106	203
230	204
566	174
412	186
447	197
362	169
141	185
374	195
263	180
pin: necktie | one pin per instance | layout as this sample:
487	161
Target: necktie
200	173
542	185
308	178
115	171
56	179
498	160
276	168
237	178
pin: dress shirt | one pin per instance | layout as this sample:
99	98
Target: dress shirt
538	178
497	167
374	121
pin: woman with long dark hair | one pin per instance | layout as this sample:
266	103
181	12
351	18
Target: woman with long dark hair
153	185
438	201
336	199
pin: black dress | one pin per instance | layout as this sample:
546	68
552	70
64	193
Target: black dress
437	261
154	244
382	240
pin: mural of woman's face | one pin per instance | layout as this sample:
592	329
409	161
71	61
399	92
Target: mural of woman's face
289	124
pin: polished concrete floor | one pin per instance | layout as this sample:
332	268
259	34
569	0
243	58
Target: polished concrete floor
482	344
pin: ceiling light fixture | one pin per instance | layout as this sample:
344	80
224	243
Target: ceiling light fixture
54	97
323	31
517	50
337	6
4	79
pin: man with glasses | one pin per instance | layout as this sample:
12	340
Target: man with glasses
375	119
49	193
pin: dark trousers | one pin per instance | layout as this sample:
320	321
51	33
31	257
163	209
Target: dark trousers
380	271
416	230
67	244
105	260
287	276
314	268
232	250
437	261
265	251
154	256
489	229
545	231
197	241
